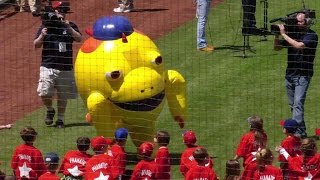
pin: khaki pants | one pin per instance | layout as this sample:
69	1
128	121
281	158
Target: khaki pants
33	4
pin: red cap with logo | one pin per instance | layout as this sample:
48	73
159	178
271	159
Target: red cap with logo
189	137
97	143
146	149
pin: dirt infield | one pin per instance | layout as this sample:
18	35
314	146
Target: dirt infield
19	61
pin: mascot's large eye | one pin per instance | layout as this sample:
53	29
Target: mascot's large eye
157	60
114	75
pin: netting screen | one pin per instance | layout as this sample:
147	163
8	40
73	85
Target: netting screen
242	75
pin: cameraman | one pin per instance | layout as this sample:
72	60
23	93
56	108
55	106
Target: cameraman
301	47
56	71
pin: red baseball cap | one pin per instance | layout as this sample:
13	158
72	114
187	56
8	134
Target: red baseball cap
64	6
97	143
146	149
189	137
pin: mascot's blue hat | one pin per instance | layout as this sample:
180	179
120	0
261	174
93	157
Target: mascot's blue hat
121	134
111	28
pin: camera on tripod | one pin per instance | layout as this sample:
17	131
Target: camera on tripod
290	21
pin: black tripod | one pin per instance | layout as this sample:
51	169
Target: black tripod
265	18
252	30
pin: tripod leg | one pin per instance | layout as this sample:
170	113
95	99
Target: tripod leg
245	45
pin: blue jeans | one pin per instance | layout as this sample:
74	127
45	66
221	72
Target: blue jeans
203	7
297	88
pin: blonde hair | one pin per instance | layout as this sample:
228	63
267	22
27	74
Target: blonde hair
264	157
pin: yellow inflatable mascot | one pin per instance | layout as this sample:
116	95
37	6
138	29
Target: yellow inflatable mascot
121	78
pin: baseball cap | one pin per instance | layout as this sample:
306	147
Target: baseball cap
291	125
62	6
145	148
98	142
189	137
51	158
121	134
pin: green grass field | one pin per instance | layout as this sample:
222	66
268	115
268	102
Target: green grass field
222	90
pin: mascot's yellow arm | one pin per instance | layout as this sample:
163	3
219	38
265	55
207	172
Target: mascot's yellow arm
176	95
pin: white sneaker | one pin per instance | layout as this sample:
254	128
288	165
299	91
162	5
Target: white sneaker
122	8
119	9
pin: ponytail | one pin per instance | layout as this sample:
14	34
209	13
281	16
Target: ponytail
264	157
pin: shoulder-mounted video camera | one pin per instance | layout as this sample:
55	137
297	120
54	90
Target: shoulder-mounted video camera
290	21
49	18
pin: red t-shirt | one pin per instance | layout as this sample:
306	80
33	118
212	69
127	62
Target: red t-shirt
187	160
74	163
99	166
163	163
144	170
201	172
27	161
49	176
309	168
248	171
247	147
292	145
119	159
269	172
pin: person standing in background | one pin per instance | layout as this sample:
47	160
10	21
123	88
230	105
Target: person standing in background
302	45
56	70
203	7
34	5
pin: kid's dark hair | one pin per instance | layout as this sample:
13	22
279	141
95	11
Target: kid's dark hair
232	169
264	157
28	134
200	154
163	138
308	146
83	143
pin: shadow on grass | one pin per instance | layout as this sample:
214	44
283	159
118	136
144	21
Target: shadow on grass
149	10
73	125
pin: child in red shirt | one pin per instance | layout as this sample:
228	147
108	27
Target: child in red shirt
200	170
146	168
291	144
74	161
306	166
27	160
162	156
251	141
118	153
187	160
265	170
52	162
100	165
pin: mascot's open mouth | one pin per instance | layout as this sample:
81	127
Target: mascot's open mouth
142	105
